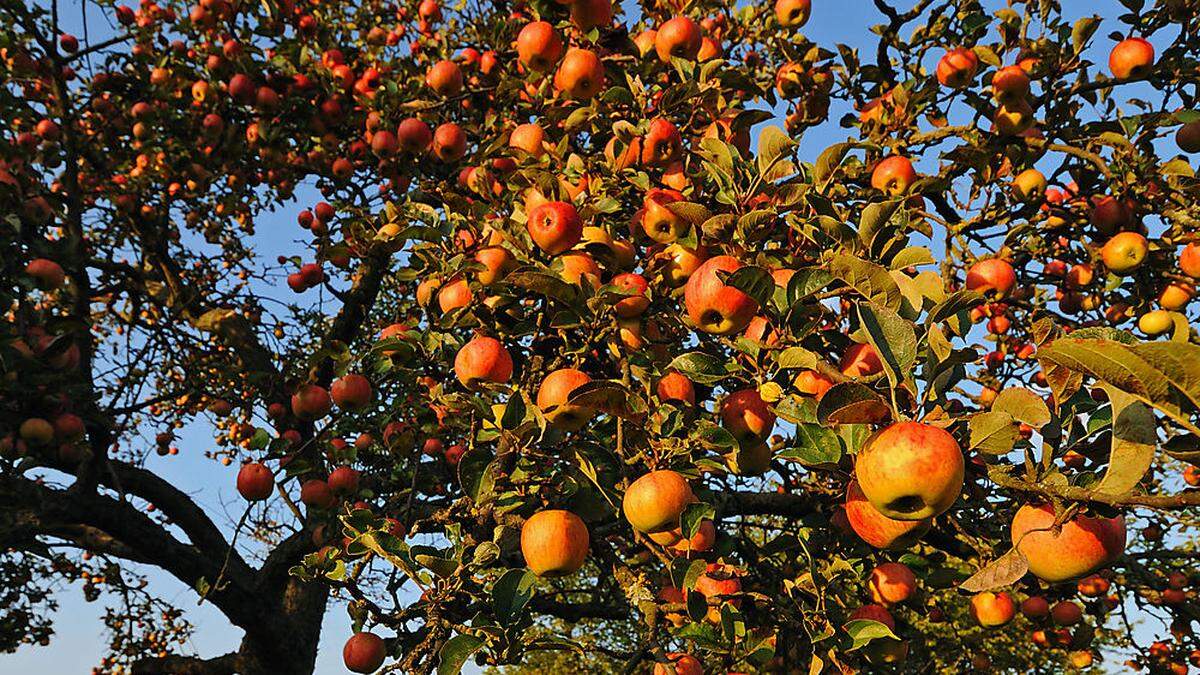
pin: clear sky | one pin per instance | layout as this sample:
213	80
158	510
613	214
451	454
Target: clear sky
78	643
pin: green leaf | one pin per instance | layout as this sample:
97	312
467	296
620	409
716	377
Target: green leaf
912	256
476	474
511	592
1123	367
893	339
755	282
863	631
608	396
993	432
773	143
1134	438
852	403
1082	32
829	160
805	282
544	284
815	445
454	654
956	302
1003	571
693	515
1024	405
702	368
874	217
796	357
870	280
514	412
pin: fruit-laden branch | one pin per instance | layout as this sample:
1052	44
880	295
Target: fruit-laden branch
1080	494
766	504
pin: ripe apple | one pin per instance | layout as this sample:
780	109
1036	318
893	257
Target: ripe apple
1131	58
351	391
483	359
662	143
554	543
719	585
1010	85
877	529
993	276
414	136
893	175
1066	613
659	222
992	609
1035	607
701	541
812	383
681	263
315	493
555	227
680	664
343	480
713	306
877	613
792	13
633	305
529	138
580	75
589	14
1014	118
1124	252
680	38
1189	260
579	267
449	142
1176	295
745	415
364	653
553	395
445	78
1083	544
1029	186
538	46
311	402
455	294
860	360
910	471
891	583
1188	137
46	274
255	482
497	262
655	501
677	388
957	68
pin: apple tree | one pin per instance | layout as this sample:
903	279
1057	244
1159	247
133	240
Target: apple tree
581	356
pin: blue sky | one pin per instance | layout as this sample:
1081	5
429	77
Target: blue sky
79	643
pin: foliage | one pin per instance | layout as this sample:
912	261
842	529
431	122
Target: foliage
919	270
